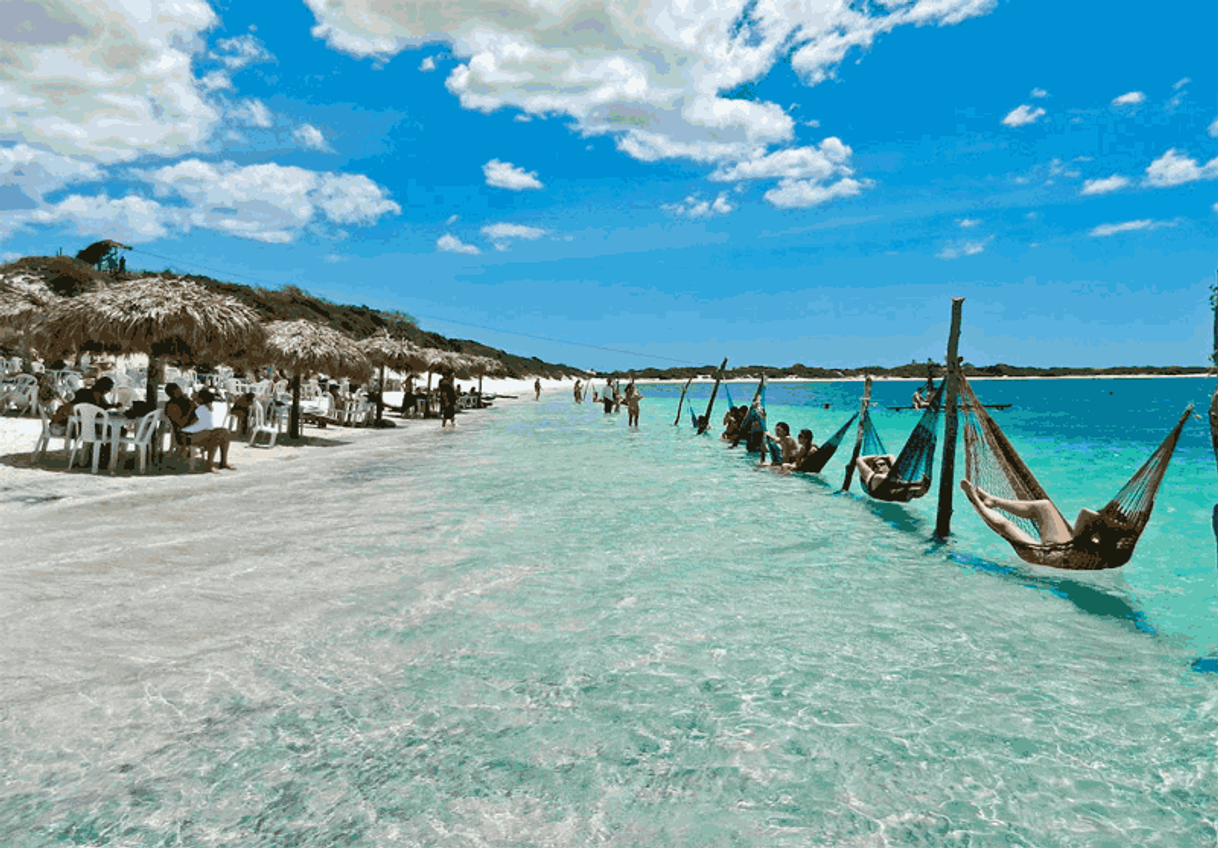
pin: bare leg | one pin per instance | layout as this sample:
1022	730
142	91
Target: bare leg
997	522
1049	522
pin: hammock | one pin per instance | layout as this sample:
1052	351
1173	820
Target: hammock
1107	541
817	460
910	475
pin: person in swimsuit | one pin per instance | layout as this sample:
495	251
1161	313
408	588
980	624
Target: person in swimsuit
874	469
1050	524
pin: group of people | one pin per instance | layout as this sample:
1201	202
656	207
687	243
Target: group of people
613	397
787	453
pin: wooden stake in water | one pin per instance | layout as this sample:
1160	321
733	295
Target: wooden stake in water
677	420
704	425
858	440
947	472
1214	400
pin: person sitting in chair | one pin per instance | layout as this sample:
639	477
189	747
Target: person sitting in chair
196	426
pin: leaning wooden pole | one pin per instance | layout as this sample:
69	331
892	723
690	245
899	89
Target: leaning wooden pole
1214	400
704	425
947	471
858	439
677	420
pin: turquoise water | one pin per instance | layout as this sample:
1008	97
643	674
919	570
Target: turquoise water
548	629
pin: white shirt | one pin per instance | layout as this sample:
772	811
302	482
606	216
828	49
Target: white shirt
207	421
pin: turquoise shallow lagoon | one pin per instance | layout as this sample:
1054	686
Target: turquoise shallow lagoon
546	628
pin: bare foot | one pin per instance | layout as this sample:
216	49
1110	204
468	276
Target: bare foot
228	467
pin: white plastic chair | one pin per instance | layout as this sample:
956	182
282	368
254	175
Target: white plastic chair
91	426
263	425
44	438
141	440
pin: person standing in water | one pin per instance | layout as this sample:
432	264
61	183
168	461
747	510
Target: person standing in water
579	391
537	389
632	405
448	400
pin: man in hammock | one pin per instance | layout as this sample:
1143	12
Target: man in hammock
874	469
1049	522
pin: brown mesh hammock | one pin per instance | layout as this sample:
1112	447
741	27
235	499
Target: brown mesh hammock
991	463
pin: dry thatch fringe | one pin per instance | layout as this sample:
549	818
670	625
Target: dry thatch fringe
151	315
302	347
384	350
486	366
22	297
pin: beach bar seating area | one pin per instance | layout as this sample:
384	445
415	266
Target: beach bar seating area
98	370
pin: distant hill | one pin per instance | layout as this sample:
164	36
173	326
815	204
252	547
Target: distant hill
68	276
914	370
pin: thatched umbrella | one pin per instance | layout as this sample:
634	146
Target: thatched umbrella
486	366
384	351
23	297
303	347
159	316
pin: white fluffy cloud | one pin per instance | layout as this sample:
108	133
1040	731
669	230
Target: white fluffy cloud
311	137
968	223
1105	230
269	203
506	175
1213	128
501	235
1039	92
796	163
1106	185
800	194
428	64
651	74
451	244
964	248
38	172
696	207
253	112
1173	169
1022	115
105	80
132	219
1132	98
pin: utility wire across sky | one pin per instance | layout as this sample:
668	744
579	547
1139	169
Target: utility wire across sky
249	281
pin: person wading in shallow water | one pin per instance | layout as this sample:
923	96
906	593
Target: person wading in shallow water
448	400
537	389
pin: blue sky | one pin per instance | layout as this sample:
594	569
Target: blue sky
622	186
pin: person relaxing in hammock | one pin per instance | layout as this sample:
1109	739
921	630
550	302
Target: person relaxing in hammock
788	445
1049	522
874	469
806	448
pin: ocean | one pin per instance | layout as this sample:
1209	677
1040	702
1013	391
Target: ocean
548	629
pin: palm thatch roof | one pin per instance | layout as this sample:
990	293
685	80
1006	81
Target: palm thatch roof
155	315
302	347
22	297
383	349
486	366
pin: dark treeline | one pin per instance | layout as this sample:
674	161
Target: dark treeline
916	370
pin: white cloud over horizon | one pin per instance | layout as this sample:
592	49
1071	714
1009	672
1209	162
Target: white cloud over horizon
449	243
696	207
506	175
1022	115
1106	185
964	248
1175	168
1132	98
1105	230
501	235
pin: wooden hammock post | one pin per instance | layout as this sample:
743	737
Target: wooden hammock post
677	420
947	473
858	442
705	425
1214	400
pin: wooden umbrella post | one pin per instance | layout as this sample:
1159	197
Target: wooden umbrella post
294	418
947	473
380	398
858	441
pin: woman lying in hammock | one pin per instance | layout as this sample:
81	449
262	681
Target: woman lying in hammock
1092	530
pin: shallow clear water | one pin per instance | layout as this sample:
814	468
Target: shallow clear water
549	629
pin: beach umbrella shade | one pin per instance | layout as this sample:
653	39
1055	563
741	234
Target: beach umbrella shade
23	297
303	347
385	351
159	316
486	366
